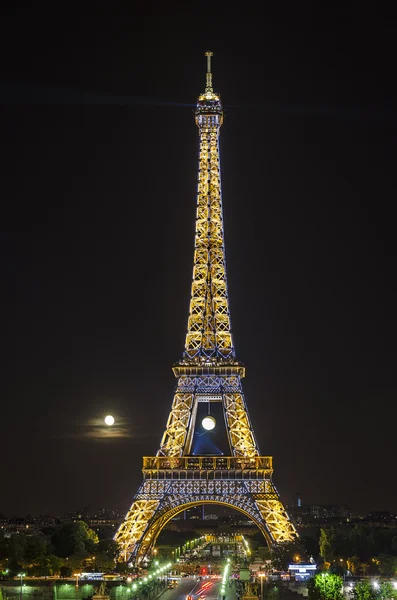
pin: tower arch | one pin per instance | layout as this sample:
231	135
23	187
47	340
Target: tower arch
164	515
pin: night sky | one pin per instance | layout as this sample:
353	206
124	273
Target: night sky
99	163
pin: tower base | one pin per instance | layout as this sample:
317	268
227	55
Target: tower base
172	485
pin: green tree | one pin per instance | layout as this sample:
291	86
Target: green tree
104	563
282	555
122	567
394	544
326	544
325	586
108	547
74	538
387	591
76	561
16	546
310	546
363	590
66	571
387	565
336	569
35	547
14	567
353	564
47	565
367	590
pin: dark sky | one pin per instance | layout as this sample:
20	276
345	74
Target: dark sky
99	160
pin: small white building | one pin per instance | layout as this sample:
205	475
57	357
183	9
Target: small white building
302	571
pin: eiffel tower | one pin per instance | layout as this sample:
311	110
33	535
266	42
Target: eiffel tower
208	378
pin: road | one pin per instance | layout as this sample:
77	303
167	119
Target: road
206	589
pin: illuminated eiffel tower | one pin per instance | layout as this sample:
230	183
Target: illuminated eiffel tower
178	477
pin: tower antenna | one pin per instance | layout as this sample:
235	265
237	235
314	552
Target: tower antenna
208	86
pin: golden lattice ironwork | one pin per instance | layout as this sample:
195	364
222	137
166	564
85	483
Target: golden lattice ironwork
174	480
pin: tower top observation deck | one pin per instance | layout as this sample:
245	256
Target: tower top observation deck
209	103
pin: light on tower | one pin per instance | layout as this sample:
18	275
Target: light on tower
208	423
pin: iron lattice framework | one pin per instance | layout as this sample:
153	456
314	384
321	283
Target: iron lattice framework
208	372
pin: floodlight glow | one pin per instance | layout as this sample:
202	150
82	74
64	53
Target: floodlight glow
208	423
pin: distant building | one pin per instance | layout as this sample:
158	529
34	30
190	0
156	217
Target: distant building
309	514
380	518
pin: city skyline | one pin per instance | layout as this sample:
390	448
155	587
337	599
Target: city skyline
101	185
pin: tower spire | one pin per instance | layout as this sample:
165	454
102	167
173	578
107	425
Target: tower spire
209	335
208	86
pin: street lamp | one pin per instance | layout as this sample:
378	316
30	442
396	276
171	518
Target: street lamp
21	575
77	575
324	576
261	576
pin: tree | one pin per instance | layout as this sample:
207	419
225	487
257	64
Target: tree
282	555
108	547
75	562
367	590
35	547
16	546
353	564
66	571
325	587
326	544
387	591
122	567
310	546
394	544
387	565
103	562
363	590
336	569
47	565
14	567
74	538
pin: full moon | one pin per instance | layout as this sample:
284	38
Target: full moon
109	420
208	423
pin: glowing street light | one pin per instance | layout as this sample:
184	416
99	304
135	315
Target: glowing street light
262	575
21	575
324	576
